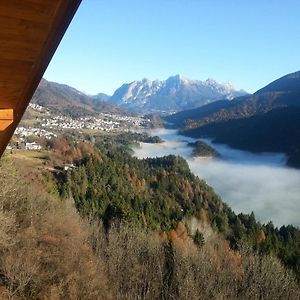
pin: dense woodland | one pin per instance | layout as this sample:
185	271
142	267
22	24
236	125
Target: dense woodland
200	148
116	227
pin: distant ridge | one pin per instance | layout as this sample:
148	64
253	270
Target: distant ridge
174	94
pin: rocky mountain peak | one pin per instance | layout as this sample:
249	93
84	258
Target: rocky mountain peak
173	94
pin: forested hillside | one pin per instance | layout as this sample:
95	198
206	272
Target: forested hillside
158	193
115	227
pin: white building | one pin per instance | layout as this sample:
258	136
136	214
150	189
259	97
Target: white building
33	146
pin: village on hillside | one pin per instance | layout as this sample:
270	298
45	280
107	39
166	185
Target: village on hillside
48	125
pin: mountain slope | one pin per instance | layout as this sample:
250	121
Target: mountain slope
182	118
266	121
287	83
67	100
174	94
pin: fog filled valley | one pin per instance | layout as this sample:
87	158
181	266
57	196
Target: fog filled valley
246	181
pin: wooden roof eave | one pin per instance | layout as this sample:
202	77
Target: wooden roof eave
32	49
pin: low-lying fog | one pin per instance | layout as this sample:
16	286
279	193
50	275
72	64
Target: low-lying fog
246	181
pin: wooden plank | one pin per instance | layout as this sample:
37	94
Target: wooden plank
19	52
6	114
28	10
19	44
12	20
10	85
28	36
13	66
6	118
4	124
18	24
13	74
12	102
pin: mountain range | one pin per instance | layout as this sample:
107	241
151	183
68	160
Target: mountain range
146	96
174	94
267	121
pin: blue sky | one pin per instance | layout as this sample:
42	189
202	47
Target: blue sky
110	42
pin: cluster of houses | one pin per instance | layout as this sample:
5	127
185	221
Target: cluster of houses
105	122
24	132
24	146
62	122
39	108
